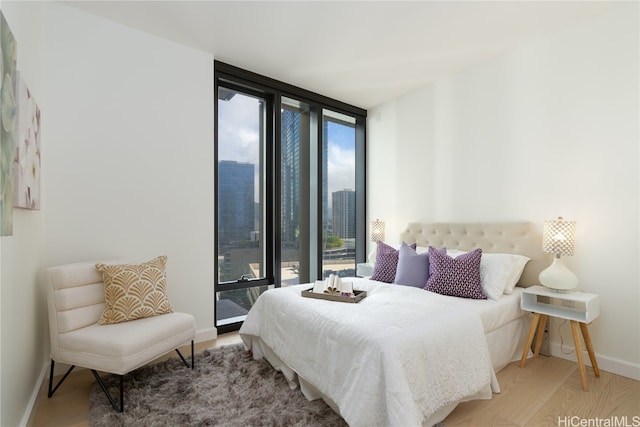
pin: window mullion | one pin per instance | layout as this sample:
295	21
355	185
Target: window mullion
292	232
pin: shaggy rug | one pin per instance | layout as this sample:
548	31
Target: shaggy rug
226	388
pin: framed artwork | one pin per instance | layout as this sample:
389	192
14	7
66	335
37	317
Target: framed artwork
26	163
8	129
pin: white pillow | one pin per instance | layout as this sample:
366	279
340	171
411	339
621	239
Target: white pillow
455	253
499	273
517	263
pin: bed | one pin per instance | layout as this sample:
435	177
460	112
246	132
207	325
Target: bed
402	356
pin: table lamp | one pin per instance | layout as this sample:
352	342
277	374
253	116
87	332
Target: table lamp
559	238
377	235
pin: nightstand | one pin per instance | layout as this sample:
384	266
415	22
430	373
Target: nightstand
364	269
579	308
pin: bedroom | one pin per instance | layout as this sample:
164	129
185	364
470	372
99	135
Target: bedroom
569	99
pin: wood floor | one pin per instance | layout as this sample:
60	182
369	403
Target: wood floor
546	392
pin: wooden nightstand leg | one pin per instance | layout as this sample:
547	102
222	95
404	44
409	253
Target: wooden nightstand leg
541	325
592	355
527	345
578	347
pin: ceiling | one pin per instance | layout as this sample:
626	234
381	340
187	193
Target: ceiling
360	52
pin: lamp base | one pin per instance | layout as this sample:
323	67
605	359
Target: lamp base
558	277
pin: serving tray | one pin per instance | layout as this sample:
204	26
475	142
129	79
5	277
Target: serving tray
357	297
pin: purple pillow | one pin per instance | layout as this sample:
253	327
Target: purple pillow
386	264
413	268
457	277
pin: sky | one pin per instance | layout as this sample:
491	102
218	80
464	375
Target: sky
238	140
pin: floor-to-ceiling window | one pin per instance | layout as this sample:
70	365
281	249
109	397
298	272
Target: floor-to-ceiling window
338	194
289	188
296	137
243	256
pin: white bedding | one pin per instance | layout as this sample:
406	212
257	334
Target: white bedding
395	359
495	314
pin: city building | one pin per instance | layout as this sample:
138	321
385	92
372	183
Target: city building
236	194
344	213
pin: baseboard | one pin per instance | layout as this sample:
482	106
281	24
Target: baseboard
29	411
208	334
605	363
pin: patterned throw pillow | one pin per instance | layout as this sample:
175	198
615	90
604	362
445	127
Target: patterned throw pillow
386	264
457	277
499	273
134	291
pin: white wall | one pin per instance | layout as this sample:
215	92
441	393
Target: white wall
130	152
23	309
549	129
128	173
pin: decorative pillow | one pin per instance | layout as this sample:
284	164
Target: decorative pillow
413	266
386	264
134	291
457	277
500	272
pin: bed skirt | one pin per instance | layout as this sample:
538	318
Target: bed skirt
505	346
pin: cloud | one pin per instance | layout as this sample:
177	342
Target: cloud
239	140
239	133
341	168
238	129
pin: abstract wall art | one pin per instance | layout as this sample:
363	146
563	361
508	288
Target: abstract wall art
26	164
8	128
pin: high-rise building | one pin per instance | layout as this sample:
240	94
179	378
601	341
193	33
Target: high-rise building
290	166
344	213
294	134
326	213
236	194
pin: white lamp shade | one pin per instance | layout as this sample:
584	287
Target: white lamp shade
377	235
377	231
559	237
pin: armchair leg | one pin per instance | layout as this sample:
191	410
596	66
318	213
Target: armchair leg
184	360
51	391
102	384
106	392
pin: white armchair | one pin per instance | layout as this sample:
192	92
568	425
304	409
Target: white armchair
76	301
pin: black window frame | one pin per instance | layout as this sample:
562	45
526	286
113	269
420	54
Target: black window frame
272	91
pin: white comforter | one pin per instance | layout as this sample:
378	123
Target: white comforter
393	359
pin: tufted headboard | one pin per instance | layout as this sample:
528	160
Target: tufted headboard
510	237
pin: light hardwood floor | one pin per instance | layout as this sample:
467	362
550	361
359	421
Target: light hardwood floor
546	392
